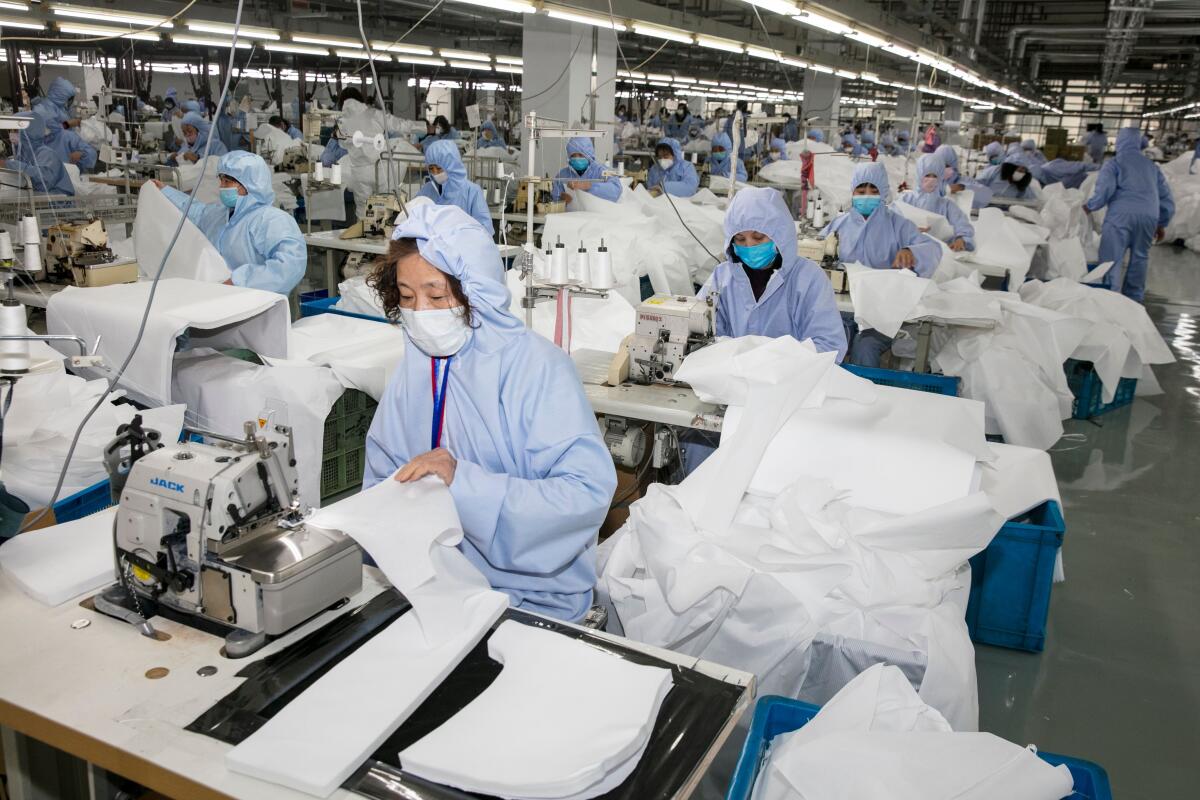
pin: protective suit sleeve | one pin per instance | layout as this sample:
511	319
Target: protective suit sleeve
607	188
963	229
332	153
709	288
45	173
76	143
687	184
429	190
386	451
741	171
821	321
560	182
286	257
1106	186
1166	201
198	211
926	250
479	208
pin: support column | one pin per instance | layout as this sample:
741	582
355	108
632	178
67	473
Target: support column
952	122
583	95
822	100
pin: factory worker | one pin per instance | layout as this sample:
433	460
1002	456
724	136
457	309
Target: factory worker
231	127
442	131
815	135
170	105
1031	154
791	130
494	411
1070	174
622	114
1140	206
196	141
902	143
1012	178
679	123
720	158
873	235
34	159
285	126
933	139
261	244
194	106
956	182
1195	157
69	146
489	136
670	173
657	120
449	186
775	150
1096	142
764	287
58	100
851	145
995	153
584	173
931	172
867	138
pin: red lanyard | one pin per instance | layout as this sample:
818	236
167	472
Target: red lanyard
439	400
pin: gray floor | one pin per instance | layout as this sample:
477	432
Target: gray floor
1119	681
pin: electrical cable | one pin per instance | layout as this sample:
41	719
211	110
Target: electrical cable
667	195
155	26
396	41
183	219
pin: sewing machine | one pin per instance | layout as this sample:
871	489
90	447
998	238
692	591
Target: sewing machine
295	160
214	533
825	253
668	328
79	251
377	219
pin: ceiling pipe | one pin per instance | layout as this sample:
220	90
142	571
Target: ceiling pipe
1071	30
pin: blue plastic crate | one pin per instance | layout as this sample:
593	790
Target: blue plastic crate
87	501
920	381
1011	581
1088	390
774	715
325	305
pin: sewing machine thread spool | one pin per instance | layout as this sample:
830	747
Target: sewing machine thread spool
6	248
810	208
336	177
621	168
319	171
31	233
600	269
582	266
560	273
819	217
14	355
31	260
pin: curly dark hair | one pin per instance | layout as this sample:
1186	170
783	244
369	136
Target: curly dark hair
383	280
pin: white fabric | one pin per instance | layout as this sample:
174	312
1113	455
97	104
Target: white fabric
596	324
193	256
58	563
1002	241
316	741
533	733
355	296
1019	479
361	353
884	298
273	142
931	222
215	315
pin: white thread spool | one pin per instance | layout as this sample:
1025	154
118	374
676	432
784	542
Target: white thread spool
6	248
582	265
319	171
14	355
31	259
621	169
810	208
819	218
601	272
336	178
31	233
560	273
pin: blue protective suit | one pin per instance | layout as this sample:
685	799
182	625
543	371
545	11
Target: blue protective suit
534	479
261	244
656	121
449	136
851	141
295	132
333	152
798	300
791	131
993	178
766	145
721	168
215	147
983	194
168	112
58	99
680	180
457	190
1071	174
64	141
903	143
1138	200
608	187
678	128
496	141
192	105
1032	155
937	202
1096	143
994	151
815	135
35	160
230	129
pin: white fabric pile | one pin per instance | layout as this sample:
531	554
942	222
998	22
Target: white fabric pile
876	738
272	144
361	353
832	506
1185	189
1001	242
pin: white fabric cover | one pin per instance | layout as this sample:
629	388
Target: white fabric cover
55	564
193	256
361	353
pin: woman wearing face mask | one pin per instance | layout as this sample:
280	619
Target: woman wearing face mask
956	182
775	149
489	136
678	124
261	244
494	411
932	169
872	234
1011	178
719	159
33	159
448	184
442	131
764	287
584	173
71	148
670	173
196	139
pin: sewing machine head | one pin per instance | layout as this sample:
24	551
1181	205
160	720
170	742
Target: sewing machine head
214	531
668	328
824	251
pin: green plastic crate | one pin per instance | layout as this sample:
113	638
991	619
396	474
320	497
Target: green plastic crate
344	453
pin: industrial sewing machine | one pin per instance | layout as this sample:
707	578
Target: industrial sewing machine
79	252
215	533
668	328
825	253
377	218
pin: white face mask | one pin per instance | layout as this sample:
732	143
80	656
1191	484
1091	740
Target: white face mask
1019	175
666	163
437	332
441	178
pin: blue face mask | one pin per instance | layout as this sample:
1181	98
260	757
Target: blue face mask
994	161
720	156
579	164
866	204
756	256
229	196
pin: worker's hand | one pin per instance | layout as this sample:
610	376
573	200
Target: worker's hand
436	462
903	187
958	245
955	188
582	186
1160	233
73	123
904	260
190	156
157	183
655	192
75	156
228	281
923	228
566	197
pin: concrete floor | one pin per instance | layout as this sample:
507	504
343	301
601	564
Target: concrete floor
1119	681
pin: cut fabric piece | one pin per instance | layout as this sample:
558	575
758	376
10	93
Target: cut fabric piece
533	734
884	298
362	353
931	222
193	255
55	564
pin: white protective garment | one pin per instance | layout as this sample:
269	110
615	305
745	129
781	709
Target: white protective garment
877	739
533	734
1001	241
58	563
318	739
884	299
272	143
361	353
596	324
213	314
193	255
356	297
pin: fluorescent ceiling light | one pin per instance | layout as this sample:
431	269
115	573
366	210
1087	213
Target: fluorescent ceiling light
679	79
573	15
842	73
464	55
670	34
470	65
7	6
362	55
328	41
411	49
869	39
511	68
429	62
104	15
28	24
299	49
510	60
821	68
658	76
105	30
205	41
899	50
822	22
516	6
794	62
785	7
707	83
762	52
227	30
728	45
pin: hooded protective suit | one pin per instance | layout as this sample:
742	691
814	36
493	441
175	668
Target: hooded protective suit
680	180
720	166
993	178
903	143
773	143
937	202
608	188
64	141
995	152
58	99
851	141
1032	155
35	160
496	141
215	147
1096	143
798	300
677	127
1138	200
457	190
1071	174
815	134
261	244
169	109
193	106
983	194
231	129
534	479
